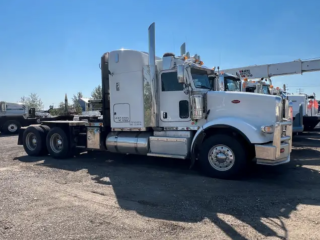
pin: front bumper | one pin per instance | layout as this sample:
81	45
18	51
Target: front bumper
277	152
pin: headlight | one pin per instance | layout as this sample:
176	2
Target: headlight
267	129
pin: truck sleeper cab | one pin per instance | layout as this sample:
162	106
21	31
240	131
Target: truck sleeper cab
164	107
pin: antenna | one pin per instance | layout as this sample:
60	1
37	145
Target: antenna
183	49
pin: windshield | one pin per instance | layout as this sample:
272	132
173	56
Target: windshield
232	84
200	78
265	89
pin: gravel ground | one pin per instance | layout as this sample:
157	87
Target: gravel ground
98	196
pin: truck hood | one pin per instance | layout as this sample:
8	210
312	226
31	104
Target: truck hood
255	109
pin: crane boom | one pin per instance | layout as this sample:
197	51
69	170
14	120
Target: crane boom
276	69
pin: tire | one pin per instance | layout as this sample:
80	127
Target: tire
58	143
11	127
221	143
34	141
45	128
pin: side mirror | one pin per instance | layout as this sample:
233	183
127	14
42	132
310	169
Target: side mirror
220	84
180	74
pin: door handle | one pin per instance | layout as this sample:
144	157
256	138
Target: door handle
164	115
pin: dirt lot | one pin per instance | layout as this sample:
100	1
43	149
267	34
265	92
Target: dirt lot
123	197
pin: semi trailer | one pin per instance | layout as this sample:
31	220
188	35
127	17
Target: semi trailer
165	107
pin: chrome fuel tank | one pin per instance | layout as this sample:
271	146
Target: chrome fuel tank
128	142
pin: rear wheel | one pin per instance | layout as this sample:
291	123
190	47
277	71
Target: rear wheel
34	141
223	156
58	143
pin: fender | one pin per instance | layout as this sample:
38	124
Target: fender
249	131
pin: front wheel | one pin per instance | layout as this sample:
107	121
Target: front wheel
11	127
223	156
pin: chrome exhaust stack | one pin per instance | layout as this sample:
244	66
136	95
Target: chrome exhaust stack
152	45
153	75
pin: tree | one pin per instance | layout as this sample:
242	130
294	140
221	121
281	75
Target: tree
58	111
97	93
33	101
76	103
61	110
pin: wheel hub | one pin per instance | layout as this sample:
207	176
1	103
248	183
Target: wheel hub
12	127
31	141
56	143
221	157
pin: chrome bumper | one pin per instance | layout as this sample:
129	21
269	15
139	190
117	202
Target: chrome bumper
277	152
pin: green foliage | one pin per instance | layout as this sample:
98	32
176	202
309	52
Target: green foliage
33	101
97	93
76	104
60	111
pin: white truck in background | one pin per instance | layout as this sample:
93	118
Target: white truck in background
308	107
164	107
302	120
15	115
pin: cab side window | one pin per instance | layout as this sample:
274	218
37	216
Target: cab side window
169	82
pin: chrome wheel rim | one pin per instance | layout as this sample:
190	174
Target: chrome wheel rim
12	128
31	141
56	143
221	157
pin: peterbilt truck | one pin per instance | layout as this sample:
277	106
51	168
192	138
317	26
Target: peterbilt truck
164	107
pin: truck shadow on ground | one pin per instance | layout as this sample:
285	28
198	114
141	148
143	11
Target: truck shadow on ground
167	189
307	139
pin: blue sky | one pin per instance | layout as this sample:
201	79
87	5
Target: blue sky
54	47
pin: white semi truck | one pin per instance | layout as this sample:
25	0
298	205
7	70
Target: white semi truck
164	107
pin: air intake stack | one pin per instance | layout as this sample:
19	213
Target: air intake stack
153	75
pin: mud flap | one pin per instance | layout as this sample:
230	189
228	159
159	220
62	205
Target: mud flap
195	145
20	138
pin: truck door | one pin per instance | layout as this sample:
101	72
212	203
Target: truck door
174	103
